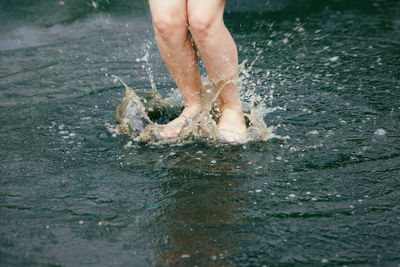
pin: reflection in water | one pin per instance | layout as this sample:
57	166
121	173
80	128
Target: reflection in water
198	215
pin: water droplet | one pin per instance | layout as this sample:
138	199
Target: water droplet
333	59
380	132
94	4
312	133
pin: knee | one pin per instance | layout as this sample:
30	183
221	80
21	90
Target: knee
168	27
201	27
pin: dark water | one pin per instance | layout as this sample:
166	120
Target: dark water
73	194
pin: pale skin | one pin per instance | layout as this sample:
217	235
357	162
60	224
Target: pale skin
172	20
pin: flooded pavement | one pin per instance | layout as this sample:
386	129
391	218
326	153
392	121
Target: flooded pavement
75	192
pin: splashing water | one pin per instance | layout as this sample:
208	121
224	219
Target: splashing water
139	111
325	196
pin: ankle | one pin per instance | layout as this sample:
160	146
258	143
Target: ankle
192	105
235	105
190	110
236	108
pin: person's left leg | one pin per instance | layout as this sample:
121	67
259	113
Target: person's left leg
219	54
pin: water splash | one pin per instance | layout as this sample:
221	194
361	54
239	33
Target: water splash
146	47
141	113
139	110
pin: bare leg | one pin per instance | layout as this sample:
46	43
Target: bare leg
219	53
179	54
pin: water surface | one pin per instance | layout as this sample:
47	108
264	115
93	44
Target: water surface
72	193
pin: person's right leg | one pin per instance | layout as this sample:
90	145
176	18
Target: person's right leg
179	54
219	54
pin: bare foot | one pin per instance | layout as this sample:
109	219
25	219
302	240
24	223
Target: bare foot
232	126
173	128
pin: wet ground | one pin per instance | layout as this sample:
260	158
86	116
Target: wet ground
73	193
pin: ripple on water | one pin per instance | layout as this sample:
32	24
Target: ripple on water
74	191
